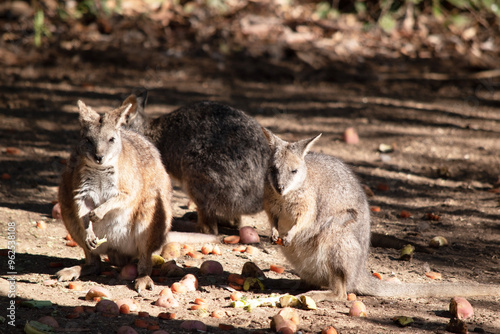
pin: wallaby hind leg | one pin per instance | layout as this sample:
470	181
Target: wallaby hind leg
231	223
144	268
236	222
92	266
338	286
207	222
337	290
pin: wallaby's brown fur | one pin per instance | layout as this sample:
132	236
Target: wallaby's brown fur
114	187
318	208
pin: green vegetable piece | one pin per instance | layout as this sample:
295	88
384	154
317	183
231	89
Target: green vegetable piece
403	321
308	303
289	301
99	242
157	260
250	304
238	303
252	282
201	313
407	253
35	327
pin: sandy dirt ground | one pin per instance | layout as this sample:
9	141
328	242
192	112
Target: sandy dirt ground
446	140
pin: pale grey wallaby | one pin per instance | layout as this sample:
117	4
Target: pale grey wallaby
317	206
114	188
217	153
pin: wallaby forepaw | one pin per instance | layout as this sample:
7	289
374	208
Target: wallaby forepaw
69	274
91	240
94	217
142	283
275	236
286	240
205	229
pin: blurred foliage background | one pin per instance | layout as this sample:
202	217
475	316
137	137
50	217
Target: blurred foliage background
446	35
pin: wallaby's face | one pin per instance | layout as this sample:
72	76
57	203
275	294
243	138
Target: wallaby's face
287	165
287	170
100	141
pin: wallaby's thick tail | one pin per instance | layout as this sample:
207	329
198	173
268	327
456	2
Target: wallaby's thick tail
371	286
191	238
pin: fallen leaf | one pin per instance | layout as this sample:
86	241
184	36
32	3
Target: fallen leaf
432	216
405	214
12	150
383	187
433	275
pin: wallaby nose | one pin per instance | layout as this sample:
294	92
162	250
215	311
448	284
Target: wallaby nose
279	189
98	158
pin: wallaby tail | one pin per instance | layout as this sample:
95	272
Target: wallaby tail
191	238
372	286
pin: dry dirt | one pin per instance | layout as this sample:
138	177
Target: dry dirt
446	162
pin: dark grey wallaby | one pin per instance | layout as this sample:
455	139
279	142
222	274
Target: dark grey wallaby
217	153
317	206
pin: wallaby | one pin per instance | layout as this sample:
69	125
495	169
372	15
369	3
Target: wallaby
318	208
217	153
115	188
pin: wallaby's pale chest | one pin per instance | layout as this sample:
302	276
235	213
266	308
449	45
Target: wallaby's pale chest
97	183
291	209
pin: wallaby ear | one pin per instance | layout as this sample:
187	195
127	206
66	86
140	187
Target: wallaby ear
269	136
138	99
141	94
272	140
303	146
119	115
87	114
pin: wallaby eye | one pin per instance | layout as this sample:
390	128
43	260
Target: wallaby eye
294	171
112	139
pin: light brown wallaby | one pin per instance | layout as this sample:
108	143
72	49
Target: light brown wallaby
114	187
317	206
